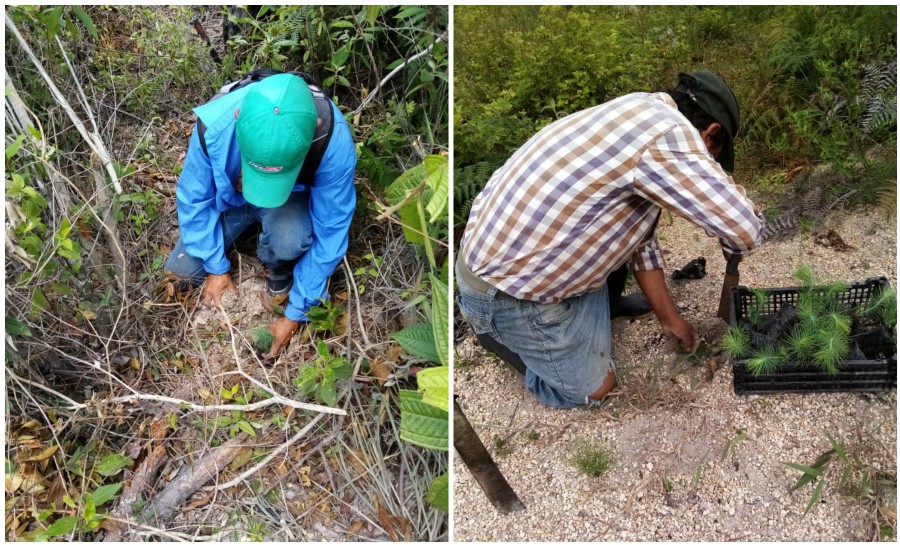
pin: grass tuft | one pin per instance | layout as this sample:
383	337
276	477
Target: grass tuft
592	458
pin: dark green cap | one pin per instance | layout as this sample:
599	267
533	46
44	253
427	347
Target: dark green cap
715	98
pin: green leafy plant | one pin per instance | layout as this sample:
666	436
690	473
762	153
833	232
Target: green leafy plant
318	378
325	317
592	458
87	519
858	479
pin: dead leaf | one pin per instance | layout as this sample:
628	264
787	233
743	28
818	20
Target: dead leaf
204	393
356	527
304	476
199	502
244	455
43	455
381	370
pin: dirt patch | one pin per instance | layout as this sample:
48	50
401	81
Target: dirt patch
694	461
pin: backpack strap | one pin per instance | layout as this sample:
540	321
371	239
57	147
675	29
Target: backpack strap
324	110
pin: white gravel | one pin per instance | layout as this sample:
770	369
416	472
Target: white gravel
681	430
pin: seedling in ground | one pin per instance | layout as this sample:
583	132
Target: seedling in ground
263	338
592	458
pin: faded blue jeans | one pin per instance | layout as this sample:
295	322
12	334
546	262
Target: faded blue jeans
566	346
286	235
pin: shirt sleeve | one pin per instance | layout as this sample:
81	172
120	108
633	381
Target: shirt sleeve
332	203
198	217
677	172
648	256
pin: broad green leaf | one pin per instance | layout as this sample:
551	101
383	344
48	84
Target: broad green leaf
440	309
409	180
90	509
85	20
61	526
421	424
13	148
435	385
815	496
439	493
340	56
340	23
436	177
246	428
418	340
372	14
61	289
105	493
38	302
112	464
17	328
285	43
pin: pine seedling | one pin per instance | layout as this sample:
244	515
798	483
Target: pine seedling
837	322
263	338
806	277
801	344
833	349
766	359
755	312
883	307
809	313
736	342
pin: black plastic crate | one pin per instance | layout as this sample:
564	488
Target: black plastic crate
854	376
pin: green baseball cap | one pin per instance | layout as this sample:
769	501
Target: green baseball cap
714	97
275	127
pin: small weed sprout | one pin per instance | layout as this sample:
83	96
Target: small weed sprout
262	337
592	458
736	342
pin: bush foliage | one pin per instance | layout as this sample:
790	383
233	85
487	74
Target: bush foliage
815	83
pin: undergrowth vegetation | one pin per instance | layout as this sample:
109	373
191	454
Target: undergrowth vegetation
816	84
119	388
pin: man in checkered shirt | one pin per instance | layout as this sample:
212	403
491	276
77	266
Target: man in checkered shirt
551	238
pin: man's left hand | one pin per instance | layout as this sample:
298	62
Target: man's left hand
282	330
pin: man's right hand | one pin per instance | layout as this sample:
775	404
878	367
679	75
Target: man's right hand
684	334
216	285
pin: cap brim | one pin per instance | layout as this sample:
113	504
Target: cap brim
268	189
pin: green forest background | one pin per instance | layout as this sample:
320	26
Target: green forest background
817	85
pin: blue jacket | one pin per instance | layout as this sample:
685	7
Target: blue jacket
205	190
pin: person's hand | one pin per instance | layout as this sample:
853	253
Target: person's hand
216	285
282	330
684	334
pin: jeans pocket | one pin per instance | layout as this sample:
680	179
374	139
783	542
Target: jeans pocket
550	314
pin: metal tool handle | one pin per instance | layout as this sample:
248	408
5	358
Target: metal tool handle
732	277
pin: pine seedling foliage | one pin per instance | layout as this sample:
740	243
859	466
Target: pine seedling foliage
766	359
736	342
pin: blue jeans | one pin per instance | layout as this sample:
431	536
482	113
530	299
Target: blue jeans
566	346
286	235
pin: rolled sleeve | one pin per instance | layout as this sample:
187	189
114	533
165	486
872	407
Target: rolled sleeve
677	172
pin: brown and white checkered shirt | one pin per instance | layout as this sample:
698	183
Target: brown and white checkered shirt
583	196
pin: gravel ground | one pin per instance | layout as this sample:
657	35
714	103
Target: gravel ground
672	420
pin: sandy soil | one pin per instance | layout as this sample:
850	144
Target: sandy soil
673	421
